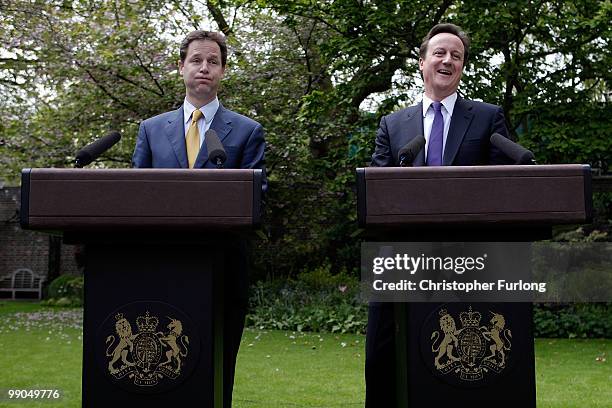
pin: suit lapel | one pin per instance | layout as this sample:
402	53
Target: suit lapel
175	131
414	128
220	124
460	122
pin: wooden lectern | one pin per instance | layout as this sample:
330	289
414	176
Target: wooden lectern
468	204
155	245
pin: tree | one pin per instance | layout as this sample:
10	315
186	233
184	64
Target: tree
552	79
318	75
81	69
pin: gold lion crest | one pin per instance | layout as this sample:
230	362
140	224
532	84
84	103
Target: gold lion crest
472	350
148	355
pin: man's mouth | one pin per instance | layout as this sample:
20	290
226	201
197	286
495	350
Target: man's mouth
444	72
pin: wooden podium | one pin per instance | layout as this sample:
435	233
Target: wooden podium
468	204
156	241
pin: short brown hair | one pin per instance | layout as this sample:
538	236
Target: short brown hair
451	29
204	35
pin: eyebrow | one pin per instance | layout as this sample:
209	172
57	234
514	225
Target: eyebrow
455	51
198	54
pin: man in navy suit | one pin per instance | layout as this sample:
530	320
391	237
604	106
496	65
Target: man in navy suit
161	140
457	133
176	140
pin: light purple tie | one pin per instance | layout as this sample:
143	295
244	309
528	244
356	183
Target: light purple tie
434	148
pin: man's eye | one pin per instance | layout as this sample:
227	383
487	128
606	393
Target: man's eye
213	62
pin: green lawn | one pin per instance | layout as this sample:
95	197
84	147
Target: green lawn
42	349
574	373
286	369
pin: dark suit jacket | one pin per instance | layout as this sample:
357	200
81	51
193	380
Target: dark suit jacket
161	142
467	143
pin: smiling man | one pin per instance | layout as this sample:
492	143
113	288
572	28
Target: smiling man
456	130
457	133
176	140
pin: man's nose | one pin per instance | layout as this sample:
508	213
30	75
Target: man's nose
446	59
204	66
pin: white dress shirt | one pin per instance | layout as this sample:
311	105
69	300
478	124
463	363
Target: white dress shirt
209	110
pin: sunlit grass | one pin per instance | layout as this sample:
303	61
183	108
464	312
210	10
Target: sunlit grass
573	373
42	348
288	369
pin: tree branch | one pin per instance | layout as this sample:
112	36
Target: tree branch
107	92
215	10
374	79
149	73
136	84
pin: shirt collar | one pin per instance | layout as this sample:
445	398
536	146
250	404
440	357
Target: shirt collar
208	110
448	103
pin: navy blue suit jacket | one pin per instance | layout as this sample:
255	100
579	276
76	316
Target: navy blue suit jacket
467	142
161	142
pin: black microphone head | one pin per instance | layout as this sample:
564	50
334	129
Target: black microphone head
216	152
526	158
92	151
409	152
514	151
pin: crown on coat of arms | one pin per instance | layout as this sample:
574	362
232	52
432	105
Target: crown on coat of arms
147	323
469	318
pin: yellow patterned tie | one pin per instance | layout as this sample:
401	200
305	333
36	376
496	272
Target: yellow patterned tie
193	138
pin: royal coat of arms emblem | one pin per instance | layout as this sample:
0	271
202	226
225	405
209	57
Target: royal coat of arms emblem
148	355
472	351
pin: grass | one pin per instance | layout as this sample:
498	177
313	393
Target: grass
41	348
286	369
573	373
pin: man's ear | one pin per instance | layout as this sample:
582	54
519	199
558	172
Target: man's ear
180	67
420	64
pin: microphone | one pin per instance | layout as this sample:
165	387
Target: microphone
408	153
514	151
94	150
216	152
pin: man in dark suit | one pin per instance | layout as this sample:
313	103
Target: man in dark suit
457	133
164	141
176	139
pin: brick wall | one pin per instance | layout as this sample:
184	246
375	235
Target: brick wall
25	249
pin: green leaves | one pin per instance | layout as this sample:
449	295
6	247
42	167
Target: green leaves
317	75
315	301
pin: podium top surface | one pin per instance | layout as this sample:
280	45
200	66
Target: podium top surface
137	199
518	171
401	197
143	174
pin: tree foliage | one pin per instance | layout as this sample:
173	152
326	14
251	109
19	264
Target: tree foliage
317	74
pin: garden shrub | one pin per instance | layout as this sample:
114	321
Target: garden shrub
321	302
314	301
582	320
65	291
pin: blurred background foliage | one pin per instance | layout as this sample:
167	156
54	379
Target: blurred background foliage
317	74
